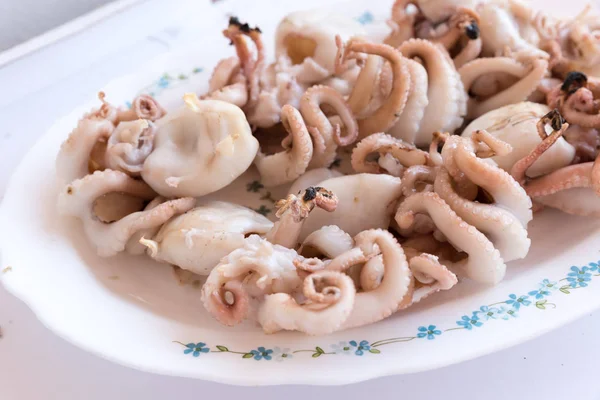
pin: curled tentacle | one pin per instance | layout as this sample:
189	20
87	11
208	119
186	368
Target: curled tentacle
418	178
409	122
386	115
431	275
293	161
362	93
146	107
483	263
129	145
324	133
519	169
79	198
501	227
445	92
73	159
462	39
251	68
529	80
582	109
225	72
573	189
404	154
401	23
227	83
330	297
248	274
462	162
142	107
395	290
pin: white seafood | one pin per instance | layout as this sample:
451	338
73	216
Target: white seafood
308	39
500	30
129	145
483	264
72	161
312	178
505	217
111	232
437	11
515	124
329	301
365	201
199	149
198	239
329	241
247	274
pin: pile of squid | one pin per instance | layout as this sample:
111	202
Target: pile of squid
466	119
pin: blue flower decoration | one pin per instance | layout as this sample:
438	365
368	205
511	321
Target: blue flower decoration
261	353
430	332
540	293
517	302
360	347
469	322
163	82
365	18
196	349
486	312
579	277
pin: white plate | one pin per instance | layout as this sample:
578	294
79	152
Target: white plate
132	311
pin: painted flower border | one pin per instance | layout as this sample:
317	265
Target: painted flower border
511	307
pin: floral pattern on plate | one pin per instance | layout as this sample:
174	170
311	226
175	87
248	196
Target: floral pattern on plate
511	307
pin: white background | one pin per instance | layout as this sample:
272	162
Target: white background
35	364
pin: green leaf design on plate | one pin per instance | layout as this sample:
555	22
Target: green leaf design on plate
248	355
565	290
182	77
222	348
319	350
315	355
374	351
541	304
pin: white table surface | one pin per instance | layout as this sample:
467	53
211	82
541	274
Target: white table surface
35	364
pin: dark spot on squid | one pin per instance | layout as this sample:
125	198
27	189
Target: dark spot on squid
472	31
440	146
245	28
310	193
574	81
69	190
556	120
